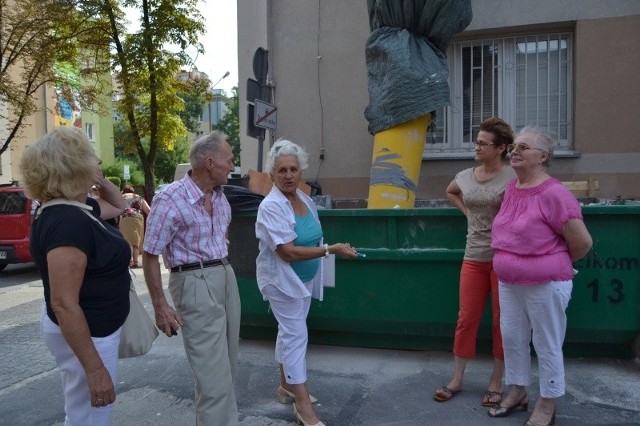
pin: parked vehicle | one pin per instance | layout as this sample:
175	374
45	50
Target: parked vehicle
16	215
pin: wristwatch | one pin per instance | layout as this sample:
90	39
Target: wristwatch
326	250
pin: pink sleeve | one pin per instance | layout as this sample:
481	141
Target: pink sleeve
559	205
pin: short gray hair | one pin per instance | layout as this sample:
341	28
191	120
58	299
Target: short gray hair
285	147
204	146
542	137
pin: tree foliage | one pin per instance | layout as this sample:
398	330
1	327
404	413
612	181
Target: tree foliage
168	160
71	44
40	41
136	177
230	124
195	94
146	72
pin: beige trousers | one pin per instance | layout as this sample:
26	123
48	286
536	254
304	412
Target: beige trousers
209	303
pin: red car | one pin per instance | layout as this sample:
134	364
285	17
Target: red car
16	214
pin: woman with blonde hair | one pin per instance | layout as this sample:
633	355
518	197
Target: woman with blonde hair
84	267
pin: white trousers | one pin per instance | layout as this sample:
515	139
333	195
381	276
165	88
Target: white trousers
535	313
293	336
77	399
209	303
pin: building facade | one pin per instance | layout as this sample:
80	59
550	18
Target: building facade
214	110
52	111
567	65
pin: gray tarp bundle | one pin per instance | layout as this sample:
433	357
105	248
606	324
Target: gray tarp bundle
406	57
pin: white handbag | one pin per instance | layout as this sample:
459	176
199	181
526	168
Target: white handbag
138	331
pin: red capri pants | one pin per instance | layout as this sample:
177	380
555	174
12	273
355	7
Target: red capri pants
477	281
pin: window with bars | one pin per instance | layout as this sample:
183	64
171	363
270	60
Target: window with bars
524	79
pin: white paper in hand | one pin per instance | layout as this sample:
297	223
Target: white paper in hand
329	271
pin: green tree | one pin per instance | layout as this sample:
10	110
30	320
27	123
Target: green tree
230	124
117	170
168	160
148	96
41	41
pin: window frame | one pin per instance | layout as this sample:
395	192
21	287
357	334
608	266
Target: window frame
449	121
89	130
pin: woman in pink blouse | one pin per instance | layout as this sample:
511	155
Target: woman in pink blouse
537	235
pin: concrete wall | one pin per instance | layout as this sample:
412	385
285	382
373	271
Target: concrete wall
318	68
513	13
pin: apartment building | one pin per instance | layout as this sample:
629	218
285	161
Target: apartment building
567	65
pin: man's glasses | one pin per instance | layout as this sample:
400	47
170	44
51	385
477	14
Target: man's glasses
483	144
521	147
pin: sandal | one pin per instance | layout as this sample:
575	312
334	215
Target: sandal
501	411
552	421
444	394
488	396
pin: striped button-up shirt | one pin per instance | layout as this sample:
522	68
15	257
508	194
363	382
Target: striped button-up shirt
180	229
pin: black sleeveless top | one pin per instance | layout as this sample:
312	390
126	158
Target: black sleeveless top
104	295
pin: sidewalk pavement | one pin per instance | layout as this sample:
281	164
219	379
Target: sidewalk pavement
357	386
360	386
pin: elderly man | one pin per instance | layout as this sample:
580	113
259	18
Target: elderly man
188	226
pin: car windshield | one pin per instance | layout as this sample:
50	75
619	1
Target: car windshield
12	202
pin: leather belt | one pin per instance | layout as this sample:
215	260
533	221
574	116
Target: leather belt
200	265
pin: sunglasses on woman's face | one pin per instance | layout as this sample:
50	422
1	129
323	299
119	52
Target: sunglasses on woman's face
521	147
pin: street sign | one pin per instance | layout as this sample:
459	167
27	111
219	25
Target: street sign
252	130
261	64
257	91
265	115
253	90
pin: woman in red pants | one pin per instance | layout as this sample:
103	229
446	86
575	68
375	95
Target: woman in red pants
477	192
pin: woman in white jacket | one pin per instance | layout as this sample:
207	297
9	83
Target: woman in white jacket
289	271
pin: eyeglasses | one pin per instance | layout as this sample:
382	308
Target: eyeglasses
483	144
521	147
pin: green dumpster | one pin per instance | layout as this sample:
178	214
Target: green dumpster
404	294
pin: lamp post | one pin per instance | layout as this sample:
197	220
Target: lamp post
226	74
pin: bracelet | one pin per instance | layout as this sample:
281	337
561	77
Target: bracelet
326	250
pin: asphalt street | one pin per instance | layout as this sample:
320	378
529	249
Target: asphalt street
355	386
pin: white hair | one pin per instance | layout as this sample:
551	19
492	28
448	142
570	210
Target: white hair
285	147
542	137
210	143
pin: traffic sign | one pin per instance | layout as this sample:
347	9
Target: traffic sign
265	115
261	64
252	130
257	91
